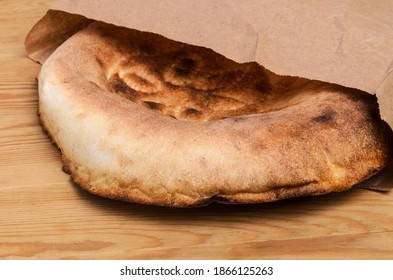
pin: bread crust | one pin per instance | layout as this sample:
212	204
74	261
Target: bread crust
145	119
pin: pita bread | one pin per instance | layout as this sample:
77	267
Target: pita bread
145	119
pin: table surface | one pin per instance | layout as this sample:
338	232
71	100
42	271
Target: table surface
43	215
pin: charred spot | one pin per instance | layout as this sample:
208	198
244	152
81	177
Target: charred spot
185	67
373	115
326	117
154	105
146	47
295	190
213	199
203	202
121	87
192	112
182	72
262	86
126	91
323	118
220	199
66	169
256	78
99	62
118	84
357	95
238	119
187	63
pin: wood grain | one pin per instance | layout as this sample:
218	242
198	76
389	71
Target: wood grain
45	216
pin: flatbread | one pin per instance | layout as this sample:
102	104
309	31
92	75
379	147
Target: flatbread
142	118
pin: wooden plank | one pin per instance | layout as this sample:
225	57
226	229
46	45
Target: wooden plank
356	246
66	222
45	216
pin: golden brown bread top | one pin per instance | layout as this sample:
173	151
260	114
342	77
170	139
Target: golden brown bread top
194	83
236	133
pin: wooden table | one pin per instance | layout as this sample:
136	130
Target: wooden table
43	215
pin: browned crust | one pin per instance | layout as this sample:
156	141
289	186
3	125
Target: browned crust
319	137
